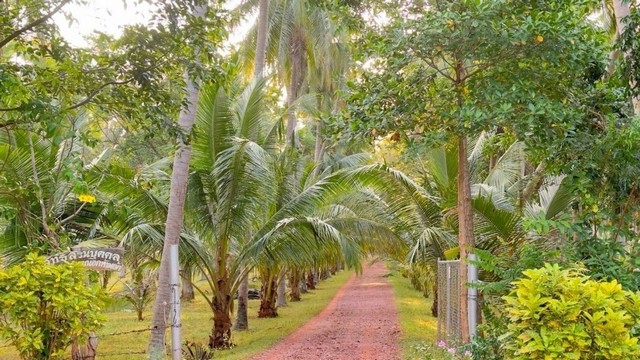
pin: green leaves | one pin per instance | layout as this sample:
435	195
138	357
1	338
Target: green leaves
560	313
45	307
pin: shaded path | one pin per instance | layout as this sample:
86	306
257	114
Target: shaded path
361	322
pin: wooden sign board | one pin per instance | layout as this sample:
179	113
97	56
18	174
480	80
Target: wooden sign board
95	259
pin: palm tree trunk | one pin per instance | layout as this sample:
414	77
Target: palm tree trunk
294	283
465	232
298	72
319	147
220	337
268	301
188	292
242	319
311	281
173	227
261	41
303	284
281	298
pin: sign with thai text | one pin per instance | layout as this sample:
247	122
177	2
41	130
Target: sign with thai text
94	259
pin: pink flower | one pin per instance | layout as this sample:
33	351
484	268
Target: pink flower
467	353
451	350
442	344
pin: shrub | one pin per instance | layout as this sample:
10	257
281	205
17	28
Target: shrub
560	313
44	307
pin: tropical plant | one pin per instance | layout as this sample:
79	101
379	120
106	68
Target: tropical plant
46	307
556	312
241	218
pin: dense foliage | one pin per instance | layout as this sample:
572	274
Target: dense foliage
559	313
45	307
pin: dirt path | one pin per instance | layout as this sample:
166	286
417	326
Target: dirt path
360	322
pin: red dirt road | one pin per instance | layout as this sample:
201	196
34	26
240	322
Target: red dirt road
361	322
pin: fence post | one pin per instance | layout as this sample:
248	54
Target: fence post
176	342
472	294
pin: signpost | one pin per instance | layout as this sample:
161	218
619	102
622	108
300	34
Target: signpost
95	258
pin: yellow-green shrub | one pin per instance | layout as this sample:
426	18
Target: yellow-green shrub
45	306
558	313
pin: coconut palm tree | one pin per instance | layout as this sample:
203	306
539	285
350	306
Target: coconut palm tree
302	37
239	215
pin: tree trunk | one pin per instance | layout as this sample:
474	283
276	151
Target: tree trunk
532	186
84	352
294	283
434	305
465	232
311	281
303	284
326	273
261	41
242	319
298	72
268	300
106	275
281	299
188	292
319	147
621	10
173	227
220	337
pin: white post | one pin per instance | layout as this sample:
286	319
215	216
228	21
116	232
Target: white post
472	295
174	266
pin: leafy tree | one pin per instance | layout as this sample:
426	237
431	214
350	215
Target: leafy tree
46	307
459	67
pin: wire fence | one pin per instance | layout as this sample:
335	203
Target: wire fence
91	350
449	301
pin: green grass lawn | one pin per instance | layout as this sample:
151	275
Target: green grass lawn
197	323
417	325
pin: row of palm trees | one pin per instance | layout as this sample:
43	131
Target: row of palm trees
251	198
254	203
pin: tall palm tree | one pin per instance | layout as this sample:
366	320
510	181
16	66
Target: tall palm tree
238	221
178	190
301	36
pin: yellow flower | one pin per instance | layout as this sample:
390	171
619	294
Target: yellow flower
87	198
539	39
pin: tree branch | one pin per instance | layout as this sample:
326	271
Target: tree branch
33	24
96	92
45	226
436	68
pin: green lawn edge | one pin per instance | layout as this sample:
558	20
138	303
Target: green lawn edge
417	326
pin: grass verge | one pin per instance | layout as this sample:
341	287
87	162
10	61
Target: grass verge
417	325
197	323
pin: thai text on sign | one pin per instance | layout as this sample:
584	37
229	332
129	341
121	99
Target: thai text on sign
95	259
